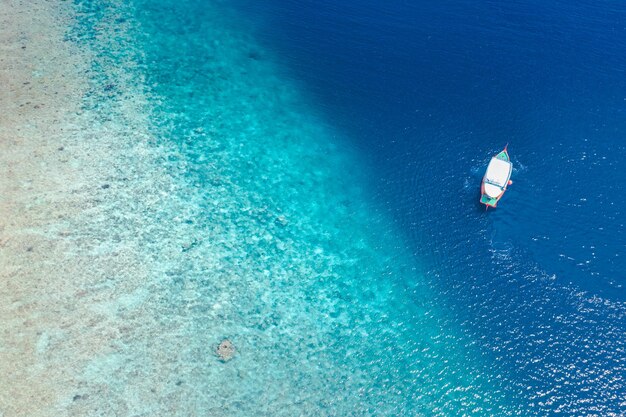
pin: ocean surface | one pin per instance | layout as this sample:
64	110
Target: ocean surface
333	153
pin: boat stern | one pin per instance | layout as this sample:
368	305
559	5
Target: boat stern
488	201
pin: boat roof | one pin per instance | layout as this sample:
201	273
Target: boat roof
498	172
492	190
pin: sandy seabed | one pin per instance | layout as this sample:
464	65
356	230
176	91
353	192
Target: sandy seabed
71	206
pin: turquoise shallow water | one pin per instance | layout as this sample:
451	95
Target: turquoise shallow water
283	250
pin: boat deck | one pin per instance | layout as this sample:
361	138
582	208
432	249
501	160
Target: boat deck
496	178
485	199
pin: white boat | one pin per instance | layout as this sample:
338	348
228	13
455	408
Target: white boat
496	179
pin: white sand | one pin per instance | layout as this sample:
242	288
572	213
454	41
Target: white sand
71	203
40	78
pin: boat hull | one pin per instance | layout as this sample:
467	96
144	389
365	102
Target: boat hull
496	179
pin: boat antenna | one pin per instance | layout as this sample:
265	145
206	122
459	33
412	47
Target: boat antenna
506	146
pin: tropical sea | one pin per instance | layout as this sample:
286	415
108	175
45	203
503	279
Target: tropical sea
301	179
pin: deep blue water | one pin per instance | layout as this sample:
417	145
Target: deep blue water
428	91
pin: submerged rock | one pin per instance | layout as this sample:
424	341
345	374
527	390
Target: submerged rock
281	220
225	350
254	55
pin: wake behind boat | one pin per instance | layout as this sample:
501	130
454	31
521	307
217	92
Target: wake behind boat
496	179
